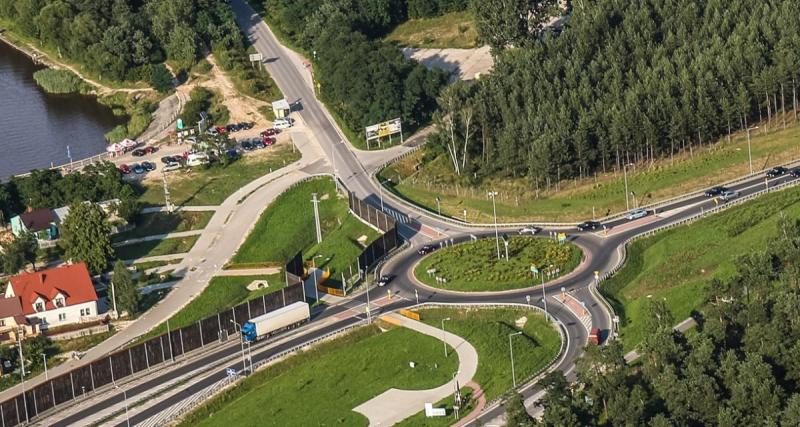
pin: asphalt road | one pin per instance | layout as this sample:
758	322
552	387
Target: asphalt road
602	252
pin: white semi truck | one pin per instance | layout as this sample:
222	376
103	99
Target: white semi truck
275	321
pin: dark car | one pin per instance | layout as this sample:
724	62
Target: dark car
232	153
138	169
149	166
426	249
168	160
795	172
139	152
385	279
257	143
589	225
715	191
245	125
232	128
776	172
247	146
125	169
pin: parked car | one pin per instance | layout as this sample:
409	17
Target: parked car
245	125
715	191
530	229
268	141
729	195
232	128
282	123
138	169
385	279
139	152
197	159
167	160
426	249
257	143
776	172
151	149
589	225
212	131
247	146
636	214
795	173
232	153
270	132
221	129
149	166
171	167
125	169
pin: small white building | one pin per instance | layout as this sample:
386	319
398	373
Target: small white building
54	297
281	108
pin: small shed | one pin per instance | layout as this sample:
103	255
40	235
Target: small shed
281	108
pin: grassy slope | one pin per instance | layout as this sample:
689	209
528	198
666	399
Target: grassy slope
287	226
221	293
575	200
675	265
176	245
322	385
164	223
487	330
474	266
451	30
212	186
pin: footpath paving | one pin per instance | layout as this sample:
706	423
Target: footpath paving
154	209
159	237
477	393
250	272
393	405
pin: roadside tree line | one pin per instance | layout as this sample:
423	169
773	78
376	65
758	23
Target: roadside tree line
624	82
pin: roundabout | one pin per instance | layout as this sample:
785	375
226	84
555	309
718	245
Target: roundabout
481	265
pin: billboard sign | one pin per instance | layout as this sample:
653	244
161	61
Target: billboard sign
382	130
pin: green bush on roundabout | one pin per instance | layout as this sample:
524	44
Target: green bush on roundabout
473	266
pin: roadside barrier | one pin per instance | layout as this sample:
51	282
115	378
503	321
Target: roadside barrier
410	314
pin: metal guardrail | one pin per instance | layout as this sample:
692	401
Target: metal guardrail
653	206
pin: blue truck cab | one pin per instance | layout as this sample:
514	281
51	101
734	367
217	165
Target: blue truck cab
249	331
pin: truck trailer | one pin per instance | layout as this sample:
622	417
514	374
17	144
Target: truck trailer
275	321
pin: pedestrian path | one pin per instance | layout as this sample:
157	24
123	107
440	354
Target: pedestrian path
155	258
393	405
577	308
250	271
477	394
154	209
159	237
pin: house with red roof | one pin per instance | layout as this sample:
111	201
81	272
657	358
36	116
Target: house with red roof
53	297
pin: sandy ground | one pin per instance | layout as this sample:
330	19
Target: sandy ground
464	64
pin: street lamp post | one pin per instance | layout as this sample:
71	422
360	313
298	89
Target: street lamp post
22	373
511	352
44	358
443	336
416	294
493	194
125	399
114	299
544	298
749	150
241	342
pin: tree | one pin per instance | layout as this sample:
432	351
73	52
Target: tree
21	251
160	78
124	289
516	414
85	236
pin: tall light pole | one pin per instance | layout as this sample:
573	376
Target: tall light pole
749	150
241	341
443	336
511	352
315	201
114	299
625	174
416	294
125	399
44	358
493	194
544	298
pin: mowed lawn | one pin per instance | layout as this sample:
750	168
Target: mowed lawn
487	329
473	266
575	200
287	226
322	385
675	265
164	223
451	30
211	186
222	292
176	245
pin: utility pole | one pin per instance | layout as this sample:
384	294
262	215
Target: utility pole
167	201
241	341
114	299
315	201
749	150
493	194
544	299
625	174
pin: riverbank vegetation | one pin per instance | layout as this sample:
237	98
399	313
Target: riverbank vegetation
362	79
623	83
739	368
137	107
60	81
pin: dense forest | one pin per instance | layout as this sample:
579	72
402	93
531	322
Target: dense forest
124	40
362	79
624	82
741	368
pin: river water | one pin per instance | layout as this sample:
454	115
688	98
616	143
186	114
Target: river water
36	127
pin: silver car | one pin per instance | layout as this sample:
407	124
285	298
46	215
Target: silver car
636	214
729	195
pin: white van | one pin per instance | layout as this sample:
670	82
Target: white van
197	159
282	123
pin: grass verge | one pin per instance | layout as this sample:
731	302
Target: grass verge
164	223
176	245
487	330
451	30
287	226
421	180
211	186
321	385
676	264
473	266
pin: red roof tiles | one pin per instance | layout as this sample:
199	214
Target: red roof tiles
72	281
